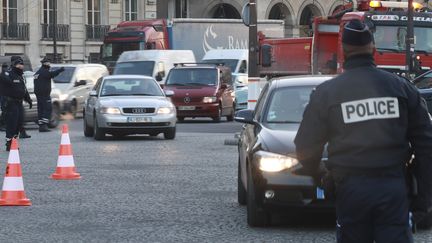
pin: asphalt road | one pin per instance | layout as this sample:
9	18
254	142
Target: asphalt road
142	189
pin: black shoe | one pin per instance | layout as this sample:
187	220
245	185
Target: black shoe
8	145
44	128
24	135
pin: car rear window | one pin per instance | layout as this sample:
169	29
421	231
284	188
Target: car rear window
135	68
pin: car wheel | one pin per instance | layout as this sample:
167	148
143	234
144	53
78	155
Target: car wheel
256	216
88	131
98	133
231	116
426	223
219	117
170	133
241	191
55	117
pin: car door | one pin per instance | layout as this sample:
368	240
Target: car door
249	133
82	91
227	91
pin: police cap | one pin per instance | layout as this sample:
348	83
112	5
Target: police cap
356	33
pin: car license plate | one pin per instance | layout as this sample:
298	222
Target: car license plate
139	119
320	193
186	108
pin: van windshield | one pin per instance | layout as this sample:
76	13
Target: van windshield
231	63
193	76
137	68
65	76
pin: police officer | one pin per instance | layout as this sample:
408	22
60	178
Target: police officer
2	101
371	121
15	92
42	84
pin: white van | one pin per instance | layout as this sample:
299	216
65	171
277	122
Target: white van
153	63
75	83
236	59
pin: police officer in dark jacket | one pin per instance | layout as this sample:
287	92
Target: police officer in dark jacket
15	92
2	98
42	86
372	121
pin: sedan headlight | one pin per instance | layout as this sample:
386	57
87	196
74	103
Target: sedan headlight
271	162
165	110
211	99
110	110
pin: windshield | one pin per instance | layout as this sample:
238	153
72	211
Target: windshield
193	76
231	63
287	104
111	51
131	86
424	82
65	76
138	68
392	38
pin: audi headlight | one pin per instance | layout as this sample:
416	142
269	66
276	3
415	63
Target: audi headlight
211	99
271	162
110	110
165	110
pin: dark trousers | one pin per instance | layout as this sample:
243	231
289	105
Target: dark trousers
373	209
3	110
44	109
14	117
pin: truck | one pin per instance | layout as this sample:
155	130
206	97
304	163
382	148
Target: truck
322	53
198	35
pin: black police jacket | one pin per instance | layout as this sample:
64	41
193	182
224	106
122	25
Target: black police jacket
370	119
42	80
14	84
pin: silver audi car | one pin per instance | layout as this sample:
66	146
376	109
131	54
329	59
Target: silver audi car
122	105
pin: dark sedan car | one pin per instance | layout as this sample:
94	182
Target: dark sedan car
267	151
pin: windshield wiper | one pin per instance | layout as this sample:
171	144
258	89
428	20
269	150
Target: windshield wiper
142	94
381	50
283	122
179	84
198	84
112	95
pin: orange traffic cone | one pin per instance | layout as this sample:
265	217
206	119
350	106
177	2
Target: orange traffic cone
65	164
13	187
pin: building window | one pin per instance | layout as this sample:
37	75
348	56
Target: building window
181	8
93	12
131	10
48	11
10	11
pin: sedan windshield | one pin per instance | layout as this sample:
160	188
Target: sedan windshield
130	86
193	76
288	104
137	68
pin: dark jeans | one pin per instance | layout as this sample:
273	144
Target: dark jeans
14	117
44	109
373	209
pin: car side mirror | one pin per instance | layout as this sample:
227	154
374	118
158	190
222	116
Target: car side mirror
169	93
159	76
93	93
245	116
80	83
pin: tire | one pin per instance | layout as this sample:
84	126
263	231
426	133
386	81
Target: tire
426	223
170	133
55	117
241	191
256	216
218	118
98	133
88	131
231	116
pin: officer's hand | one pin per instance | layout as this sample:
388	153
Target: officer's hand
30	102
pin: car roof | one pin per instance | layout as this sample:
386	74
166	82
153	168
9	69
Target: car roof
122	76
76	65
301	80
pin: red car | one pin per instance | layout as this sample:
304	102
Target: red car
202	90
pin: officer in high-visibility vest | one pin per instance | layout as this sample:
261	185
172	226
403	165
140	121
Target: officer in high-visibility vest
372	122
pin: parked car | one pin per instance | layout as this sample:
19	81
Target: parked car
31	115
153	63
204	90
267	152
75	83
122	105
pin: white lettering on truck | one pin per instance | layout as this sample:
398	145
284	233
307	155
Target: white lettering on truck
370	109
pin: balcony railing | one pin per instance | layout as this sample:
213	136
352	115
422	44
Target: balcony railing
62	32
17	31
96	32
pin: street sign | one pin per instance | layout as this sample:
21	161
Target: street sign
246	14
